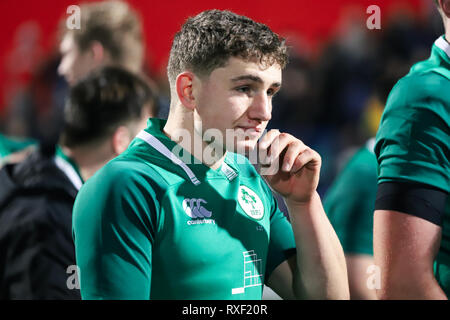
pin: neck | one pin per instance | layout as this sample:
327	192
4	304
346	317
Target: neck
184	127
90	160
447	30
89	170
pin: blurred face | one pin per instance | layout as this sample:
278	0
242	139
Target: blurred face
237	98
75	64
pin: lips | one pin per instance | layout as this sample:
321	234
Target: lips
250	129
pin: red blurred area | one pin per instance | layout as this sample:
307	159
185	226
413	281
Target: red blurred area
28	32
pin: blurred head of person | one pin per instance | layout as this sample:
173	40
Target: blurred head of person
103	113
110	33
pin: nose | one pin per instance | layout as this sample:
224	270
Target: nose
261	108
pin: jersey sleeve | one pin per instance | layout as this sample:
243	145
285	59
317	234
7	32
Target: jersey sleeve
281	239
413	141
115	221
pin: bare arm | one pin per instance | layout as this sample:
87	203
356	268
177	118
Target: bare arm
319	271
357	266
320	259
405	247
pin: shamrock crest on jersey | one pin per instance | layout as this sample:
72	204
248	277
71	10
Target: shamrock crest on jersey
250	203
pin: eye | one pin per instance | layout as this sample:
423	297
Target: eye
244	89
272	92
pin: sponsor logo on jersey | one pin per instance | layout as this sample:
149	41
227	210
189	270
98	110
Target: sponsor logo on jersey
195	209
250	203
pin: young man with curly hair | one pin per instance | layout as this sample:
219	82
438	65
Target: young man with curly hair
167	220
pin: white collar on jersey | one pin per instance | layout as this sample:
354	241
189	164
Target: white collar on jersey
160	147
443	44
70	172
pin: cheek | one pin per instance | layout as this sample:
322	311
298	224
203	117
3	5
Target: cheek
228	111
82	66
237	108
219	108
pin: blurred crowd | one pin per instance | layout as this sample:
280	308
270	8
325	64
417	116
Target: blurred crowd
332	98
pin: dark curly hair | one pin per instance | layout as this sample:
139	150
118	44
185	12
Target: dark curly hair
206	42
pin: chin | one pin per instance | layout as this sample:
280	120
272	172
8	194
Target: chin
245	147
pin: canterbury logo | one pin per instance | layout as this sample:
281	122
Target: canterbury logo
194	208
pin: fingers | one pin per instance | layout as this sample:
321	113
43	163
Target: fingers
264	146
306	158
292	152
278	149
290	157
268	138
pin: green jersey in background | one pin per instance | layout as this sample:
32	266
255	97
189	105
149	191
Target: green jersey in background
10	145
349	203
413	141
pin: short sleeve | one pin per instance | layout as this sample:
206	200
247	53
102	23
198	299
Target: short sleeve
413	141
114	227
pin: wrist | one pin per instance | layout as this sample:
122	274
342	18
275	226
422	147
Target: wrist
306	203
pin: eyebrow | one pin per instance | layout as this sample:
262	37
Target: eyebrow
255	79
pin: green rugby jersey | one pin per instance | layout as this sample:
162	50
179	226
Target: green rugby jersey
413	141
151	226
10	145
349	203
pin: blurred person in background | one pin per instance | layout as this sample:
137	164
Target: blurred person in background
349	204
47	181
103	114
350	200
34	113
13	150
412	210
110	33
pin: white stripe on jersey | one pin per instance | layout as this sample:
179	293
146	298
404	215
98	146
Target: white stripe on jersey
161	148
444	45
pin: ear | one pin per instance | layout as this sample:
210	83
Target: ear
98	52
184	88
121	139
445	7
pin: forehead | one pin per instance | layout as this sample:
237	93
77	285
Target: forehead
238	67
